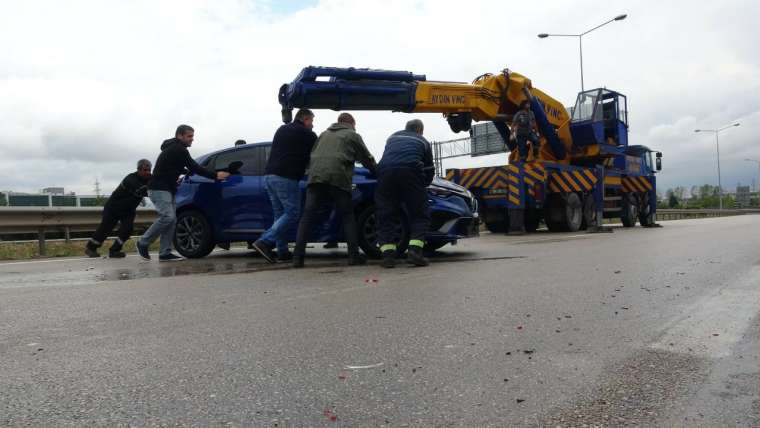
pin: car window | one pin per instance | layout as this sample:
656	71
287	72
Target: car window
253	158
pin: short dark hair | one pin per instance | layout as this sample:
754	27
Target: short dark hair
415	125
523	103
346	118
183	129
143	163
303	114
240	142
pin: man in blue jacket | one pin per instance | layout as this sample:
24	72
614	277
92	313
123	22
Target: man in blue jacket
404	172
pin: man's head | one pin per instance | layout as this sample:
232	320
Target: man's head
185	134
306	117
240	143
525	105
347	119
415	125
143	168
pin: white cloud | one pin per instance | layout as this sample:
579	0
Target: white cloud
87	87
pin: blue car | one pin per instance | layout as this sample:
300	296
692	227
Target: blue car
238	209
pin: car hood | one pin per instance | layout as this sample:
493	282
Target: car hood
446	184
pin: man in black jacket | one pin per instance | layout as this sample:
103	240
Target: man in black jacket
291	151
120	208
173	161
403	174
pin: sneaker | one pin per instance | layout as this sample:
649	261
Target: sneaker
264	249
389	259
142	250
287	257
415	257
330	245
357	260
116	254
91	252
171	257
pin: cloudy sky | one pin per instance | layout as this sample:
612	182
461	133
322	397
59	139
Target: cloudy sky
89	87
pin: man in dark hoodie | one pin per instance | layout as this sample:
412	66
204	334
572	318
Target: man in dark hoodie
120	208
331	175
291	150
173	161
404	173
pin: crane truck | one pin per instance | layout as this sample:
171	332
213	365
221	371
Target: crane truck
584	170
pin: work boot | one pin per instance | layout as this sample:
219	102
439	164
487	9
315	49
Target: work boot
389	259
415	257
357	260
265	250
91	250
115	251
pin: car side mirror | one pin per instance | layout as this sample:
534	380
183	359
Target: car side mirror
234	167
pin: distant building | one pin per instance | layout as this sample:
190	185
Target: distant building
743	196
53	191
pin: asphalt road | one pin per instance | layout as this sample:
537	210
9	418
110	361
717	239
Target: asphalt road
639	327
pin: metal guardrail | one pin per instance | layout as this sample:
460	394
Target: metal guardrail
42	220
671	214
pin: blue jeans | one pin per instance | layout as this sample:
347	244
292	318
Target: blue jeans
285	195
167	221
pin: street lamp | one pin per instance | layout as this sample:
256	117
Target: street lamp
717	148
580	39
758	171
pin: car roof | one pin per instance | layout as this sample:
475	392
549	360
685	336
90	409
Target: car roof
234	148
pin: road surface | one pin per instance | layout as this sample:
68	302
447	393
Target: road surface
639	327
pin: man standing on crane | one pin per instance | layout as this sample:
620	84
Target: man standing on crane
524	127
331	176
404	173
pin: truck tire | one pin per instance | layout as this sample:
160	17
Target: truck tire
367	224
193	237
629	210
589	212
564	212
646	216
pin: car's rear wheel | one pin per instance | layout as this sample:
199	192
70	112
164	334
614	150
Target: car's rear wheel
367	224
193	237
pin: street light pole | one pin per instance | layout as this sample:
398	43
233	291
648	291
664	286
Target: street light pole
717	149
580	40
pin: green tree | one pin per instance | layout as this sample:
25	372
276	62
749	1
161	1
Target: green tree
673	201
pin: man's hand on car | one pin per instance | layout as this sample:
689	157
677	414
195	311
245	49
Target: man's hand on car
222	175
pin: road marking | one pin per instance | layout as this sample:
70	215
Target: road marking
714	324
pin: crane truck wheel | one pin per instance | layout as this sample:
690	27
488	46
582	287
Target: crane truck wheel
589	212
630	210
646	216
564	213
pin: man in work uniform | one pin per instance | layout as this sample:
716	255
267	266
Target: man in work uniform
330	178
404	173
524	127
291	151
120	208
173	161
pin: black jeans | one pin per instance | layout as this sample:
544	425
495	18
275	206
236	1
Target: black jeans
126	222
401	186
522	144
317	195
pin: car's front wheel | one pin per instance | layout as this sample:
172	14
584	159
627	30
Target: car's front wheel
193	237
367	224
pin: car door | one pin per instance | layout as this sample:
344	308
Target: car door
243	202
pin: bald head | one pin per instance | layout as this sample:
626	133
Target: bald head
415	125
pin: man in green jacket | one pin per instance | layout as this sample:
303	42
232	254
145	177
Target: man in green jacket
331	175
